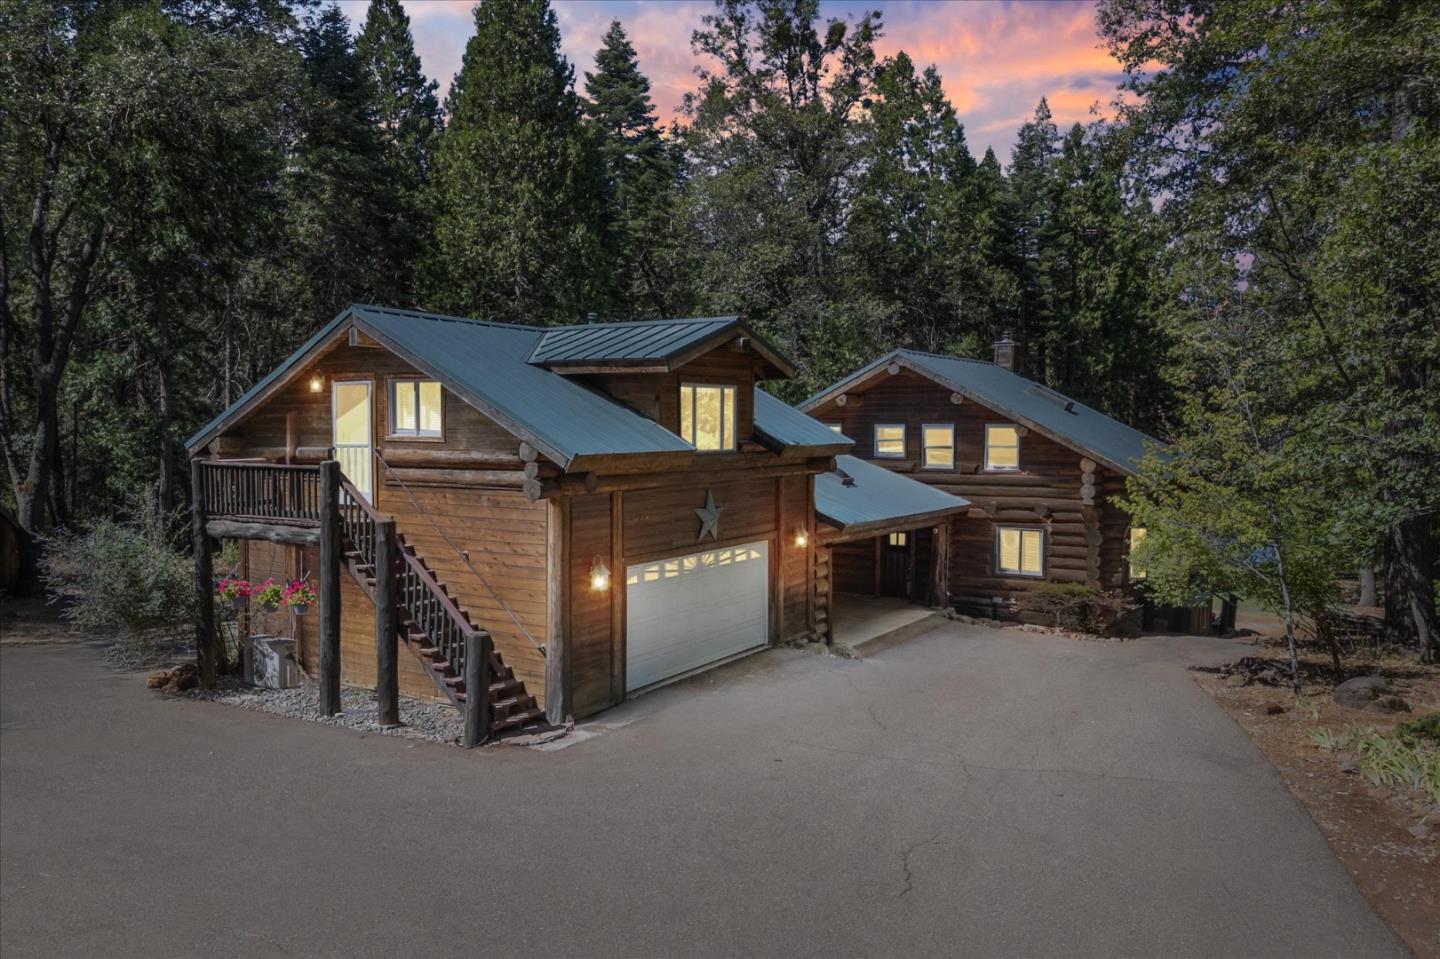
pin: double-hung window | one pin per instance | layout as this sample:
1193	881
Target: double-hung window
1020	551
890	440
707	416
1137	538
938	442
1002	447
415	409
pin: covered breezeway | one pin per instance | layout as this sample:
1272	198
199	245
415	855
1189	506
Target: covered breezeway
884	549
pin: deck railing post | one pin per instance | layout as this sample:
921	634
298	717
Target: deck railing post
387	626
477	687
207	646
329	588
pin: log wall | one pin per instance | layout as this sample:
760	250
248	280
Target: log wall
657	395
1086	536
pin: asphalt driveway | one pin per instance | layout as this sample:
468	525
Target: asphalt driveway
971	792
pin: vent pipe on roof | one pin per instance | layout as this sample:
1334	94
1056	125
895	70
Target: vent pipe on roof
592	318
1005	352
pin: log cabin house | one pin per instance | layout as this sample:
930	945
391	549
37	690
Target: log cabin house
1040	470
561	517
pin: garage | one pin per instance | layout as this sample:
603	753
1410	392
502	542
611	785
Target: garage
686	612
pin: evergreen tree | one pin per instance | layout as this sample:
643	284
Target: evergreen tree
342	208
517	189
1032	192
1298	149
404	103
775	140
642	174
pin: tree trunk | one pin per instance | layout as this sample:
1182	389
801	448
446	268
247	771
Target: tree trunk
1368	595
1411	567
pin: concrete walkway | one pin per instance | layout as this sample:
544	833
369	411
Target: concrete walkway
972	792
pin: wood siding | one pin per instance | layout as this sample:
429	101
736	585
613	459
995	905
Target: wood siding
260	559
1085	543
661	522
657	395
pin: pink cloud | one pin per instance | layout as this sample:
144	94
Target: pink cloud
996	58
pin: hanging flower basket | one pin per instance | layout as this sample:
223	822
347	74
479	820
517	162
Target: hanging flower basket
233	592
299	597
267	596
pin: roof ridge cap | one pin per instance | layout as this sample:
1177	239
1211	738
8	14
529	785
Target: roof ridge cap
616	323
948	356
448	318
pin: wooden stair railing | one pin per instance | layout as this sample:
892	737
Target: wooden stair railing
457	655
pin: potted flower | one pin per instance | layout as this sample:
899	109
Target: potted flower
233	591
267	596
299	597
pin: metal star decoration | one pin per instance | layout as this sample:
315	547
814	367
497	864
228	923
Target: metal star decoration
709	518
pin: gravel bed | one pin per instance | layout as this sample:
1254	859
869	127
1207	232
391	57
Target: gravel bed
431	722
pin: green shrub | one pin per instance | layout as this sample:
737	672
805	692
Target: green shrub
126	578
1426	729
1080	607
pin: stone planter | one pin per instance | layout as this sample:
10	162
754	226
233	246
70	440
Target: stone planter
269	662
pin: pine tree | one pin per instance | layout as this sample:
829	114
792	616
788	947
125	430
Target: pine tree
404	101
1032	191
517	187
641	172
343	208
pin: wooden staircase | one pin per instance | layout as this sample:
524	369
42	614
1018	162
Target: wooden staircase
431	623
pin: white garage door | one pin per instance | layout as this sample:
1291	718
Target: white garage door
688	611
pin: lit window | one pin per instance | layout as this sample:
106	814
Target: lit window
890	440
1020	551
415	407
835	427
898	539
1002	448
1137	536
939	443
707	416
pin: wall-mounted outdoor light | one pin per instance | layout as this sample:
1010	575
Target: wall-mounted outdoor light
802	537
599	575
317	383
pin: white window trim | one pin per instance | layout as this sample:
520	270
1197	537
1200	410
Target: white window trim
924	447
391	432
875	438
1022	530
727	443
1002	469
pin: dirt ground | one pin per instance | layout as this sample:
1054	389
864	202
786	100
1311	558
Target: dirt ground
1387	837
26	622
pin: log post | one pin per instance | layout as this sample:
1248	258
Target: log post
940	571
329	587
207	646
387	631
477	688
557	555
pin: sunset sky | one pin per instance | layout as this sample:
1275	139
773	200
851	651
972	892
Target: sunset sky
997	58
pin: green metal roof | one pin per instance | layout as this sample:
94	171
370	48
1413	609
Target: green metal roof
1065	420
648	343
861	496
787	426
487	364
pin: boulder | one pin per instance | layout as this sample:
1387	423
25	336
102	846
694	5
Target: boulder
1360	692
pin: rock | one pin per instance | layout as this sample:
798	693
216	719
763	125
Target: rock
1389	704
1360	692
1273	709
1348	765
1420	831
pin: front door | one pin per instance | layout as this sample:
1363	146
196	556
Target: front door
350	412
895	565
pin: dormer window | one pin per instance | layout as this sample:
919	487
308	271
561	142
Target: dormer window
415	409
707	416
1002	448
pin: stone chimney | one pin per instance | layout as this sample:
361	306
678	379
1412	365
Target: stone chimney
1005	352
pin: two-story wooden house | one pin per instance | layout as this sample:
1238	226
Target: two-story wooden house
1040	470
561	517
